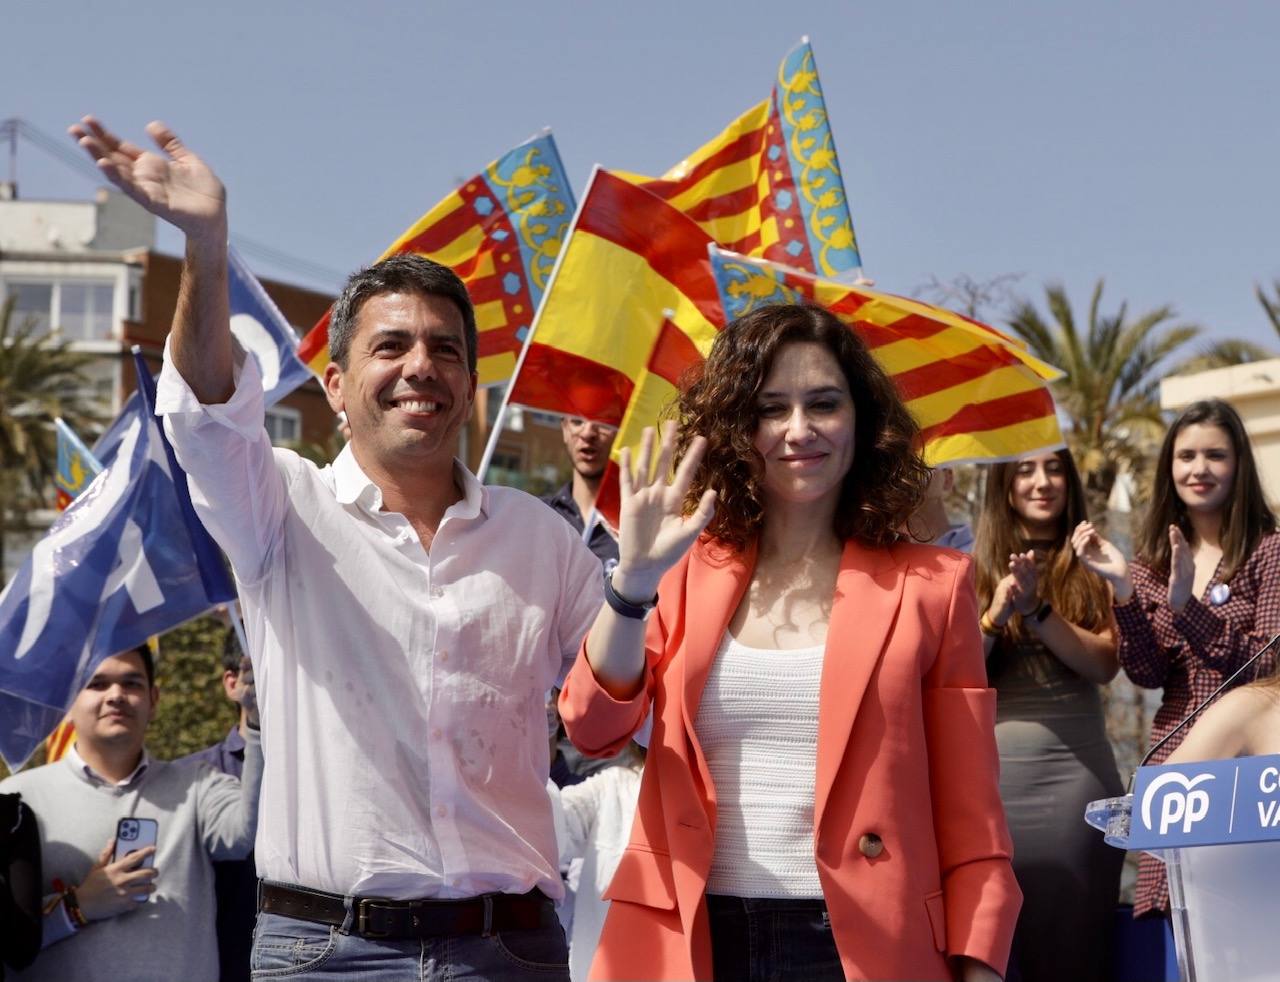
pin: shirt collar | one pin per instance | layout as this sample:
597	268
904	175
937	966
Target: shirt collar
77	764
234	743
352	486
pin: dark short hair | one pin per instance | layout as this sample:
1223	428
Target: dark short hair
407	273
232	653
143	651
887	479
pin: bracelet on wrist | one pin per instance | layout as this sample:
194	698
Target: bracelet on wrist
989	627
72	906
624	607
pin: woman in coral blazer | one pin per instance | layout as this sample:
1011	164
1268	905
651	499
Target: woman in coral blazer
821	799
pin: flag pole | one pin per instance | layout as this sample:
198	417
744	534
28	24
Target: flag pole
232	607
491	444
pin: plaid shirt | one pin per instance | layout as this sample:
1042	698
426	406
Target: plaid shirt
1190	654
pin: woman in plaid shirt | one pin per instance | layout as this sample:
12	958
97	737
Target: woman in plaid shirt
1204	594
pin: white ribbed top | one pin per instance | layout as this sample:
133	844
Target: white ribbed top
758	727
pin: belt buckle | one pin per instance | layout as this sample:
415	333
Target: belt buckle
363	909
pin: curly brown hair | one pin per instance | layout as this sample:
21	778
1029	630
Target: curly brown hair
887	479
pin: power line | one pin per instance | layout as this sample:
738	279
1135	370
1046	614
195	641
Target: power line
14	128
275	257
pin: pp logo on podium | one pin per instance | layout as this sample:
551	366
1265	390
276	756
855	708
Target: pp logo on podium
1182	802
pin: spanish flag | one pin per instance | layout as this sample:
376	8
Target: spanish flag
630	258
500	232
977	394
770	185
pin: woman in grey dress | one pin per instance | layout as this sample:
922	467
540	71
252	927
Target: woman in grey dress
1050	643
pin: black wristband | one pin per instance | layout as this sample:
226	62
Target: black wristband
624	607
1043	611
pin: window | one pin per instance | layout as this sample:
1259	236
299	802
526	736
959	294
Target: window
85	310
284	425
80	310
33	302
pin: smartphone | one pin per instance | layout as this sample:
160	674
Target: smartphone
133	834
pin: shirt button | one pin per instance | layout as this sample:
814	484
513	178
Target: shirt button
442	811
437	733
437	592
443	656
870	845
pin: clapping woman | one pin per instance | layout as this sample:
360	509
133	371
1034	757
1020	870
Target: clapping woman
1051	642
1204	593
820	799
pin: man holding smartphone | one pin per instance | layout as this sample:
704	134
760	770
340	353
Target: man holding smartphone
404	621
114	913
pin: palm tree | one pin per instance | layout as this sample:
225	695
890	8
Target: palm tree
1110	397
1270	306
40	378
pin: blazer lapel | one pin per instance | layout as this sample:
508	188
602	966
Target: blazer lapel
868	594
714	590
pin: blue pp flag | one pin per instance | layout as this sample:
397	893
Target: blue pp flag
128	559
262	332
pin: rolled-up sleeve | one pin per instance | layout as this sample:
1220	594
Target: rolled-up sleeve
598	724
236	486
981	895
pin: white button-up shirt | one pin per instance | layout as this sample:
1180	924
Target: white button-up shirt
402	691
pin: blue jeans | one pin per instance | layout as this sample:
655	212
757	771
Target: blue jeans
287	948
763	940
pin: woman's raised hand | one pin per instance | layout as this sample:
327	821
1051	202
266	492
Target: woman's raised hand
1022	567
654	532
1003	600
174	184
1182	569
1102	558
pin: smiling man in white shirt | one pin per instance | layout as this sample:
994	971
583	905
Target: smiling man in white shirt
405	621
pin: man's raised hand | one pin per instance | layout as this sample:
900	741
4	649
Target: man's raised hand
654	531
173	184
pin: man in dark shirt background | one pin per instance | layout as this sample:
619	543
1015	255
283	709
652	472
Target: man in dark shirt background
588	445
235	881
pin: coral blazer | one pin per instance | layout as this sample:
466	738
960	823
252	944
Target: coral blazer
909	837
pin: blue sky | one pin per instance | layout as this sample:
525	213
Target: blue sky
1064	142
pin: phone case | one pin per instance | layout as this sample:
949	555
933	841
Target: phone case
133	834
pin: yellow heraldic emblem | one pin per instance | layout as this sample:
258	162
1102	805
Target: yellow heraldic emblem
813	149
534	201
79	475
750	288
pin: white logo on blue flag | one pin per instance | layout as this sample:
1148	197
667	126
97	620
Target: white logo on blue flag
262	332
126	560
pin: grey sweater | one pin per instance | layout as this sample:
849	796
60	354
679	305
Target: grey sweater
202	815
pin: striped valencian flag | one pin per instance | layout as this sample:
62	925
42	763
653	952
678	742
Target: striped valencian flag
77	466
770	185
57	743
977	394
500	232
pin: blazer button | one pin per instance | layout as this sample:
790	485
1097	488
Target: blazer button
870	845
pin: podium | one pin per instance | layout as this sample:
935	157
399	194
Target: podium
1216	827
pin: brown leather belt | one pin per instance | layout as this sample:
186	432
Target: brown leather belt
379	917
